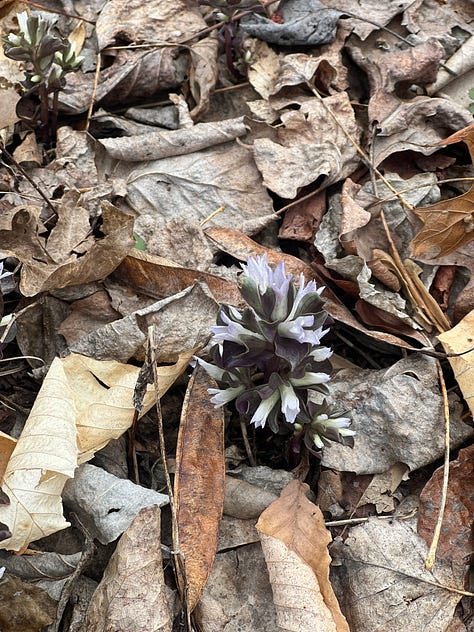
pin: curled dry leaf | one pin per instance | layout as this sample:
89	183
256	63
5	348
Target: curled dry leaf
69	256
199	485
295	549
449	224
460	339
73	416
163	144
131	596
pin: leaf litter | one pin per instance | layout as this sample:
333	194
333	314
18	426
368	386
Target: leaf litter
331	136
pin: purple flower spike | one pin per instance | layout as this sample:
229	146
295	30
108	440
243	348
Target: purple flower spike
269	356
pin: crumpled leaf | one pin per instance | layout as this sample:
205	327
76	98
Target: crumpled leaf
397	414
381	13
458	340
73	416
163	144
382	584
182	320
270	72
417	125
304	23
74	257
131	596
308	145
294	540
449	224
198	489
141	74
388	66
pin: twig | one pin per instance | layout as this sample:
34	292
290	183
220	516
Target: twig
248	449
346	521
72	579
58	12
94	90
180	569
8	155
430	559
419	186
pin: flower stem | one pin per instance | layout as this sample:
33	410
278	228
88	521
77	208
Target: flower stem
248	449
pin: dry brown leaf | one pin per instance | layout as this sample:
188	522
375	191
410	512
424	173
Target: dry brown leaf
382	583
74	258
297	597
159	278
7	445
388	66
166	143
456	544
308	144
131	596
449	224
458	340
73	416
199	484
24	607
299	525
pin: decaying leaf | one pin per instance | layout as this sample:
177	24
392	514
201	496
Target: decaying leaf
24	607
459	340
397	414
294	540
132	595
106	505
74	258
82	404
308	145
449	224
304	23
199	484
382	584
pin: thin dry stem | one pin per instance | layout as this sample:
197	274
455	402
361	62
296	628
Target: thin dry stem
94	90
430	559
177	555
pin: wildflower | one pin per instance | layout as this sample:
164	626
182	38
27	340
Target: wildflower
268	357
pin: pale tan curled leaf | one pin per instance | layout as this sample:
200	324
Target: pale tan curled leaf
458	340
106	412
199	483
77	36
131	596
297	596
299	524
82	404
